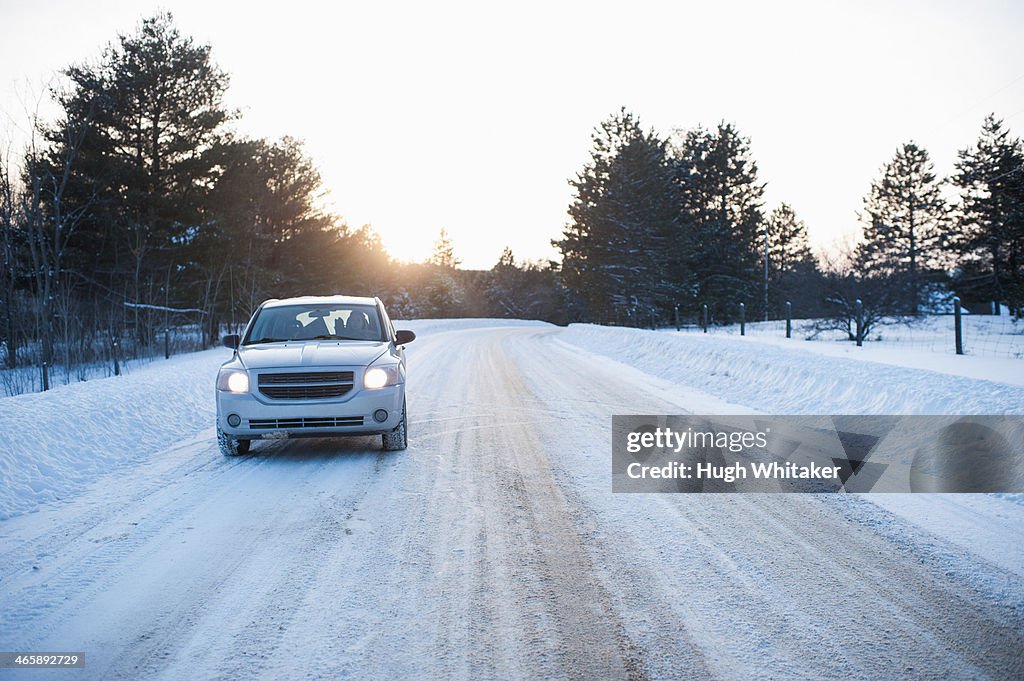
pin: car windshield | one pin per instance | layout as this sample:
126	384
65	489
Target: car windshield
316	322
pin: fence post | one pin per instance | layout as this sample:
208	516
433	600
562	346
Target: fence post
46	377
859	306
117	364
704	318
958	325
789	319
676	313
167	343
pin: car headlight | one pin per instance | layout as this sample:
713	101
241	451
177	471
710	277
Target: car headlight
380	376
233	381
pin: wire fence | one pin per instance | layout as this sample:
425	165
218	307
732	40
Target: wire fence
98	358
981	335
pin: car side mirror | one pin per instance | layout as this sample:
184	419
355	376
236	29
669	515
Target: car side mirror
403	337
231	341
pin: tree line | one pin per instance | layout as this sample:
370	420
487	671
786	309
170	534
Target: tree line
141	208
666	223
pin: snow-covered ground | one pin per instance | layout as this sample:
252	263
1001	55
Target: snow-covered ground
54	444
780	376
493	547
934	336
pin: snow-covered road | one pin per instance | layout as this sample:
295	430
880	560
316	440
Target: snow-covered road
494	548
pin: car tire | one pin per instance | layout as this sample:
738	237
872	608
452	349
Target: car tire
398	438
230	445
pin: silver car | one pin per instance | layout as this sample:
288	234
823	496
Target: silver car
314	367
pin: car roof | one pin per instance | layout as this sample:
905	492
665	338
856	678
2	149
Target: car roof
320	300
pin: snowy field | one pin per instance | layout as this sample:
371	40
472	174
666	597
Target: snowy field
932	336
493	547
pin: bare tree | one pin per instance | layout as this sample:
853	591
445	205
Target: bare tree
857	301
49	223
8	260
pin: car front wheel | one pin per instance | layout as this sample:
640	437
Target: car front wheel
230	445
397	439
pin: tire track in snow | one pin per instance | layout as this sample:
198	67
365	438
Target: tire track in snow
479	569
491	549
780	585
140	600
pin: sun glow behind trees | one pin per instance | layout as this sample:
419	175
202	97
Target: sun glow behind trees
444	105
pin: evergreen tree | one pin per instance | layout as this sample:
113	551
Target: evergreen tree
616	247
144	169
444	252
262	221
990	216
527	291
506	294
791	268
721	217
904	214
443	293
788	249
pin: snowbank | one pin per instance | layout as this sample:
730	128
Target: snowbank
54	444
797	380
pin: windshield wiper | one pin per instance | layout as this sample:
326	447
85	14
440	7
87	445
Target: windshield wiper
337	338
300	340
269	340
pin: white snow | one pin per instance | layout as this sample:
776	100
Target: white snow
494	547
801	377
435	326
994	346
54	444
780	376
984	524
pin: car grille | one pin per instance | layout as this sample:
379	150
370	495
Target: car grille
306	386
299	422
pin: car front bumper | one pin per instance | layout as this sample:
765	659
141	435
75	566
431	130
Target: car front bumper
260	418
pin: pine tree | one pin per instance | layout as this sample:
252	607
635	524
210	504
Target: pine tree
505	292
616	247
790	265
261	229
444	252
443	293
721	217
990	216
788	249
145	167
904	216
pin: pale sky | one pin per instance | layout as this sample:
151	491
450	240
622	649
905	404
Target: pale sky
473	116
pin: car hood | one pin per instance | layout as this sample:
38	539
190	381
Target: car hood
311	354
